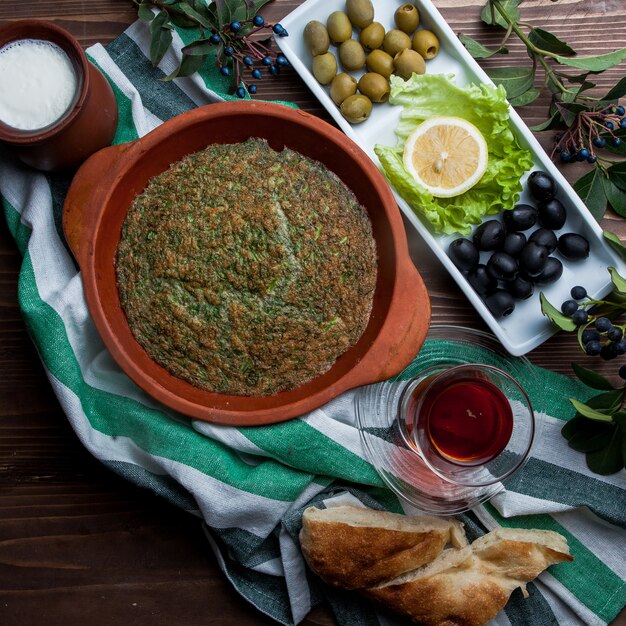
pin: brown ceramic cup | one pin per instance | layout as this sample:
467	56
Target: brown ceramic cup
90	121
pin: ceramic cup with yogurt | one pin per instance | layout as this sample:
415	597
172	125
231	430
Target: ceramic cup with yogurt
56	108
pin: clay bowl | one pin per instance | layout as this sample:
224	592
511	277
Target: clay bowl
108	182
89	123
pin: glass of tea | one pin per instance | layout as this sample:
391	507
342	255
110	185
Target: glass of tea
471	424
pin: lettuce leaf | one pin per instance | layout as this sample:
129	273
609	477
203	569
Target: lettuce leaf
485	106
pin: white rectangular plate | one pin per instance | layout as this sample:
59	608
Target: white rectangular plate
526	328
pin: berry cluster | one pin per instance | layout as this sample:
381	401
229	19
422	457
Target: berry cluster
591	130
238	53
600	337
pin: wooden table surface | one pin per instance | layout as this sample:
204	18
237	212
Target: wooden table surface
78	545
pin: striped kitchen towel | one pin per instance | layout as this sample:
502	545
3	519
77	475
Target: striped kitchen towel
250	485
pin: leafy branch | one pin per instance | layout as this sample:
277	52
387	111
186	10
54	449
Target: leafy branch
227	30
590	128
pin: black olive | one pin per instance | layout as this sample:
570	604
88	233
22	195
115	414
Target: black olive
551	272
481	280
502	266
544	237
541	186
520	217
500	303
521	288
513	243
532	258
464	254
573	246
489	235
552	214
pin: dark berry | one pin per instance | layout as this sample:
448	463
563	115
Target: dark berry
546	238
281	59
500	303
603	324
622	122
592	159
620	346
608	352
578	292
224	71
266	61
532	258
593	348
520	217
256	73
229	51
464	254
552	271
248	60
590	334
573	246
569	307
514	242
502	266
258	20
241	92
235	26
274	70
620	110
214	38
552	214
252	89
610	125
565	157
614	334
599	141
584	153
622	372
521	288
617	142
541	186
489	235
481	280
580	317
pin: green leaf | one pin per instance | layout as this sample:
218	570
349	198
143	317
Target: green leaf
615	196
570	110
620	419
144	12
609	401
607	460
526	98
510	7
195	15
617	175
593	439
592	378
597	63
614	241
553	122
587	411
516	80
188	66
556	317
547	41
200	47
477	50
576	425
161	37
617	280
590	188
617	91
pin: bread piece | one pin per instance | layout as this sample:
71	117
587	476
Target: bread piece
469	587
353	547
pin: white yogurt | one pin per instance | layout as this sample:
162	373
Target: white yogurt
37	83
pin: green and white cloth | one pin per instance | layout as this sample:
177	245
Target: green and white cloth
250	485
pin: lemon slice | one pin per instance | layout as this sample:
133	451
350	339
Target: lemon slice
446	155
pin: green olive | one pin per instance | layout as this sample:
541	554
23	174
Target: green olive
339	27
316	37
380	62
342	86
426	43
351	55
372	36
407	62
395	41
360	12
356	109
324	67
374	86
407	18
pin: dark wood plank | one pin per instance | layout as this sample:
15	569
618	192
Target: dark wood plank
78	544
